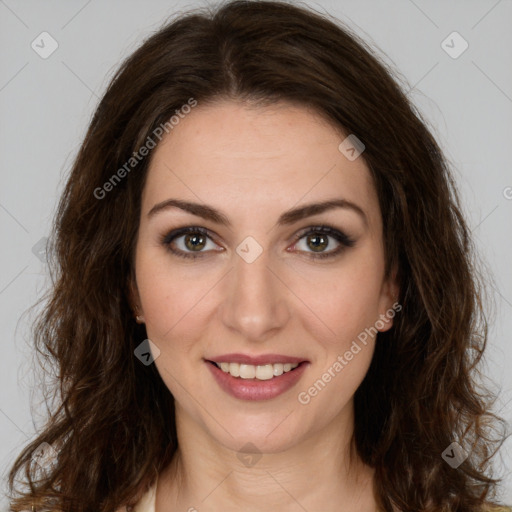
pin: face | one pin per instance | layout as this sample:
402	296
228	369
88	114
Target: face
234	264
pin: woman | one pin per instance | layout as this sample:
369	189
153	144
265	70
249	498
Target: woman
265	297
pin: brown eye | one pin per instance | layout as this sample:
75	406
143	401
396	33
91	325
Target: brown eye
317	239
189	242
317	242
195	242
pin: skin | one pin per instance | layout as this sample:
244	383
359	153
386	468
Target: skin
253	164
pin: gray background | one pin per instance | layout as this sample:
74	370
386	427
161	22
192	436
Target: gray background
45	105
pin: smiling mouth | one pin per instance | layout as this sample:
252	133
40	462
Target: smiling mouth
256	372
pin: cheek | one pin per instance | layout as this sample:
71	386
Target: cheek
342	302
344	331
174	312
170	294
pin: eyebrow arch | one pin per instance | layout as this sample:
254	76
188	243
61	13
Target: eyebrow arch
287	218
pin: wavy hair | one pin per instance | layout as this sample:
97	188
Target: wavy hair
113	427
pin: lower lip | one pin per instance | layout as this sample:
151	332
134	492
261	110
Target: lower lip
254	389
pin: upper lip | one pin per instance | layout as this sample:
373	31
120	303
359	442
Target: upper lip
256	360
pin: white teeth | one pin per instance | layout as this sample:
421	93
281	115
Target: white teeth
278	369
265	372
247	371
260	372
234	369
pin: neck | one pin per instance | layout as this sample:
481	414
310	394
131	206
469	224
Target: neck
322	472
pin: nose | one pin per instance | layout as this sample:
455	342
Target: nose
255	302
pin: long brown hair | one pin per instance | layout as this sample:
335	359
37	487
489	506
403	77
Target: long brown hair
113	428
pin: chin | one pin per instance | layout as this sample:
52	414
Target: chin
271	432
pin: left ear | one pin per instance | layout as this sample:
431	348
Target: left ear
388	302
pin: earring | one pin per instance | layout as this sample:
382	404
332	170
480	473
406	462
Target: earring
138	318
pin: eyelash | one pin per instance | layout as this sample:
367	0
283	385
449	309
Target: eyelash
344	240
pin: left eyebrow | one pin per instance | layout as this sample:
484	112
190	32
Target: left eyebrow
287	218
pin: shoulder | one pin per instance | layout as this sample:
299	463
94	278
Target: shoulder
496	508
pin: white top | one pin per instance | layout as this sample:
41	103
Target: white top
147	502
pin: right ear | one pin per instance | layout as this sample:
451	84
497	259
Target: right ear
134	299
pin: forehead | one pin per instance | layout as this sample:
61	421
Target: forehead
256	158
